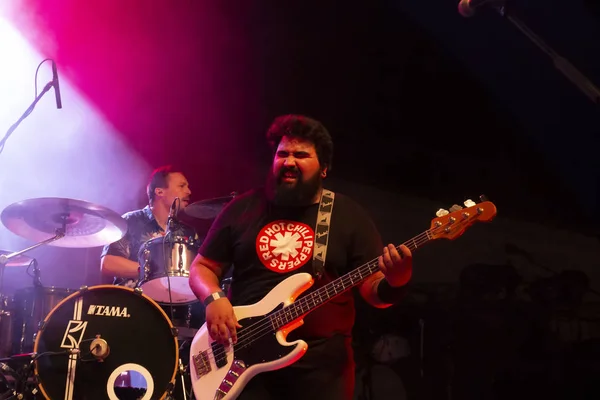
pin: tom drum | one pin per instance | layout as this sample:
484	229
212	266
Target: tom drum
165	269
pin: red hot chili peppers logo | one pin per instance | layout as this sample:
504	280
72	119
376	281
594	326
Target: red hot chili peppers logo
284	246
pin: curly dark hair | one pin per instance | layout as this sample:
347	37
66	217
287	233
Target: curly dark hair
303	127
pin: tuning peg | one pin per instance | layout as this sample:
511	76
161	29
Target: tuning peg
469	203
441	212
483	197
455	207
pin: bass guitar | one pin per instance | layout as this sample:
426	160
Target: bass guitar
221	371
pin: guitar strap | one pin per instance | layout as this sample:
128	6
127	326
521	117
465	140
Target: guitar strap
322	232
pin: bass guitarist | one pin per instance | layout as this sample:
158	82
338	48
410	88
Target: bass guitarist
292	225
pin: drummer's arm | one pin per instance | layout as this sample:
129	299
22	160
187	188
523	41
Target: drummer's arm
111	265
115	259
205	276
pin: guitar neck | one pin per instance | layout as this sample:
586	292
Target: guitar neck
334	288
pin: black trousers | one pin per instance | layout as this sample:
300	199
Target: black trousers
325	372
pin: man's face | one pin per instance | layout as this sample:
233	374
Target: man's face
296	175
177	186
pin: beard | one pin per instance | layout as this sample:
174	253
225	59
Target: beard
300	193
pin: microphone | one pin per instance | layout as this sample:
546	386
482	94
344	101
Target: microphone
56	85
172	213
467	8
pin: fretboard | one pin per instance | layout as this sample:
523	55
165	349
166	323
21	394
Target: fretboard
336	287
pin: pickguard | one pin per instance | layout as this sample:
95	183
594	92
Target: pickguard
264	346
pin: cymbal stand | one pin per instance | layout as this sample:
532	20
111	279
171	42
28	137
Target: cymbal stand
182	377
20	376
37	282
4	258
23	388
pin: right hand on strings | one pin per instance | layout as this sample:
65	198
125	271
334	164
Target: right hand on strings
221	321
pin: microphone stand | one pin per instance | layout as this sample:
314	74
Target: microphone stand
29	110
561	63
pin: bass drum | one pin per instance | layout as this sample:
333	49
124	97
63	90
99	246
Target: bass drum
119	332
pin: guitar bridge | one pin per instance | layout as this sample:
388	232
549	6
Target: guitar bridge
201	364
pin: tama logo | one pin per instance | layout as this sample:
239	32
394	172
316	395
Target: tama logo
108	311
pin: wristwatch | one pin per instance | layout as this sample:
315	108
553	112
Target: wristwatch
214	296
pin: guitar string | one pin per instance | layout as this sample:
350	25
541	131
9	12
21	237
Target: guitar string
253	331
266	322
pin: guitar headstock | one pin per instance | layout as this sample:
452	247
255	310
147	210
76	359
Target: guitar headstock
451	224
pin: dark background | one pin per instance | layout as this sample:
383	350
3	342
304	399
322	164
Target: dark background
420	101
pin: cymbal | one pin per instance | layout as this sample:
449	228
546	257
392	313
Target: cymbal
17	261
85	224
209	208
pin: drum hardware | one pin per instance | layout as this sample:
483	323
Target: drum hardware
99	348
29	308
165	268
209	208
22	381
74	223
5	258
181	376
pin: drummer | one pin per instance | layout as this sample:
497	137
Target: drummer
120	259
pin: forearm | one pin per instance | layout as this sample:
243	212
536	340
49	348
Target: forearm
119	266
204	281
378	293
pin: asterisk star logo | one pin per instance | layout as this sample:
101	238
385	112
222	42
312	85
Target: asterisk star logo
286	245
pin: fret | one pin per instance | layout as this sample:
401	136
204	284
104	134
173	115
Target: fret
302	309
272	323
333	288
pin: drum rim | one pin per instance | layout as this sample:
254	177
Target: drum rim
140	286
189	241
46	289
86	289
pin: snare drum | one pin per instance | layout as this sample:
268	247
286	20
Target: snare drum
165	263
138	339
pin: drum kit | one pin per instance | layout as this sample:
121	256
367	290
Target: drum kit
94	342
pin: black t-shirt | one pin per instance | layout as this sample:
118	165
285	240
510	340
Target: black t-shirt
266	244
